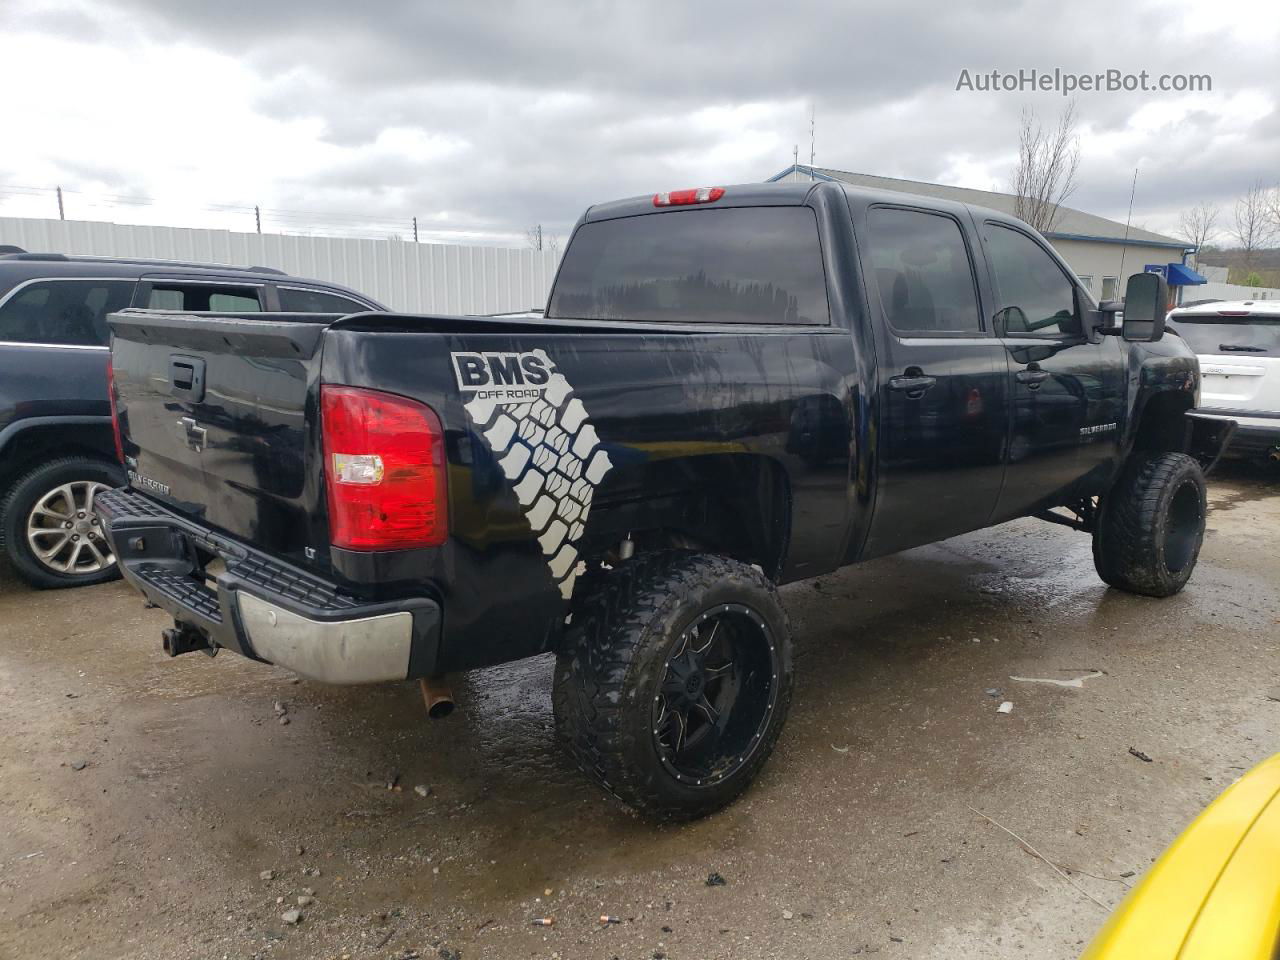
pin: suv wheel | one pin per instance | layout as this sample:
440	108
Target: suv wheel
674	682
50	529
1151	525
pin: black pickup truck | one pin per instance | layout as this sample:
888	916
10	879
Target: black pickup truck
730	389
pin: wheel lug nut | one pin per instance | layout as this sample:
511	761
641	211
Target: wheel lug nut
80	514
75	536
67	524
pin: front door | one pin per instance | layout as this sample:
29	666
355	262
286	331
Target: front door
943	380
1067	394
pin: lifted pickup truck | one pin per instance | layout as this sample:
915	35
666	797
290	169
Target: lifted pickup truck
730	389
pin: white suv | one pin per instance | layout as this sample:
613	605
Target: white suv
1238	343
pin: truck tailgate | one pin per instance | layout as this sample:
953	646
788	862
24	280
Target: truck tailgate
212	418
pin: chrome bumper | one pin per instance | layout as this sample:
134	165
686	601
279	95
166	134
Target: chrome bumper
366	650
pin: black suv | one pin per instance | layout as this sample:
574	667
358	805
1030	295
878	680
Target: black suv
56	445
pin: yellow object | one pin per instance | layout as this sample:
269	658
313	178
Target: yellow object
1215	894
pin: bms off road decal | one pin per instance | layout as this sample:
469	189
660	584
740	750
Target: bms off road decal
543	440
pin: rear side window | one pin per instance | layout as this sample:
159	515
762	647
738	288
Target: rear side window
735	265
1246	336
200	297
297	300
63	312
1034	295
923	272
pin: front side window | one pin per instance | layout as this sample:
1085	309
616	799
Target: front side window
1033	295
63	312
732	265
204	297
297	300
922	271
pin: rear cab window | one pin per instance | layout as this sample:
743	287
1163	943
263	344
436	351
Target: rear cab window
1210	333
760	265
69	313
923	272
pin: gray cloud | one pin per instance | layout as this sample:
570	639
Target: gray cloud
528	111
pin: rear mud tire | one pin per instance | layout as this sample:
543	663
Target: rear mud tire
616	664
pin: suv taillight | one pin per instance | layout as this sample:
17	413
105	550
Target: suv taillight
115	410
384	468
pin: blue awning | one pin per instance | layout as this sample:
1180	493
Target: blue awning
1182	276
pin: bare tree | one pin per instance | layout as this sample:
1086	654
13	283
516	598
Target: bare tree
1254	224
1199	224
1273	206
1046	173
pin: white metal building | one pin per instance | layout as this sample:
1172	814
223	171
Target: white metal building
1095	247
406	276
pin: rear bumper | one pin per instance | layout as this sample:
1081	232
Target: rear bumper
262	607
1255	436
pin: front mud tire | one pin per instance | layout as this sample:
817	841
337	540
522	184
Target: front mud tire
617	666
1151	525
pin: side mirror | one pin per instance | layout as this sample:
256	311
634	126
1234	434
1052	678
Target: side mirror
1146	299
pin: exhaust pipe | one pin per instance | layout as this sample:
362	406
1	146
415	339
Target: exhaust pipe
438	697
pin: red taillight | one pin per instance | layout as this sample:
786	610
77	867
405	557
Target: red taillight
680	198
115	411
1234	313
384	468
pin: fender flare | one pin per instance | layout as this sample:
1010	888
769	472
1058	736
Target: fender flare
13	430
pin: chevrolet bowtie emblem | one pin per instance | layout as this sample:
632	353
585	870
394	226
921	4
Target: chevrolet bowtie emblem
195	433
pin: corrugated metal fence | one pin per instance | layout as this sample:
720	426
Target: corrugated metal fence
412	277
1229	291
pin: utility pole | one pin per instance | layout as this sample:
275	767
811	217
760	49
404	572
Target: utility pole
795	158
813	116
415	229
257	218
61	214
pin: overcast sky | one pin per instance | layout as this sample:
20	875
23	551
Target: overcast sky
482	118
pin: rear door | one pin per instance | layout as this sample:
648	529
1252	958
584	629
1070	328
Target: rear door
1067	394
53	348
943	380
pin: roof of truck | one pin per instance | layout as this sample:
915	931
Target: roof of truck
1071	224
785	194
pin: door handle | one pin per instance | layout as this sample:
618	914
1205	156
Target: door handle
186	377
1032	376
914	383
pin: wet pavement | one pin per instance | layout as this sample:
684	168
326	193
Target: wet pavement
863	836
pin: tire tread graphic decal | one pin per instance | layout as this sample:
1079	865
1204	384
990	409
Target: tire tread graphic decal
549	451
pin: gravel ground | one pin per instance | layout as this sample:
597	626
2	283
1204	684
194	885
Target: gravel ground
157	808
